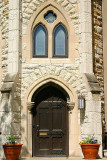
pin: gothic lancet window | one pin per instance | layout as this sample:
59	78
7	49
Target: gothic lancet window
40	42
50	36
60	41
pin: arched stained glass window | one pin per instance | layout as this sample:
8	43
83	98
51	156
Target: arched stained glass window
60	41
40	41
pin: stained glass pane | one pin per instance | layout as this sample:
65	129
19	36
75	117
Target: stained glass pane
40	41
50	17
60	41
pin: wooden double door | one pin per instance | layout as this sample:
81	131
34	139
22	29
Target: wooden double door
50	123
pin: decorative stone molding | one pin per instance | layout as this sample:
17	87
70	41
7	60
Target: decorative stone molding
8	83
92	83
30	105
7	87
70	105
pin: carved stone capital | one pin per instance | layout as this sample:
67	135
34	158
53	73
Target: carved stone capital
30	105
70	105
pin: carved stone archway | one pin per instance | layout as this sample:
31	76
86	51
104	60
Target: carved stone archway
28	103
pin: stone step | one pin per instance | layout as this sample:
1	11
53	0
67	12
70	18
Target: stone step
58	158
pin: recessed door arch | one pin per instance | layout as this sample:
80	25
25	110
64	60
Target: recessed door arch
50	122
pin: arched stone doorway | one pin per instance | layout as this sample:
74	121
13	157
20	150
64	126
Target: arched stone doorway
50	122
72	111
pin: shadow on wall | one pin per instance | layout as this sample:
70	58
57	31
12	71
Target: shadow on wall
5	114
5	119
10	121
82	116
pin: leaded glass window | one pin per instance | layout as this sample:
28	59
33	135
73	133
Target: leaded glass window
60	41
50	17
40	41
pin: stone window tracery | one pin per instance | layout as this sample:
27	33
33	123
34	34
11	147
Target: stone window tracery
50	36
50	17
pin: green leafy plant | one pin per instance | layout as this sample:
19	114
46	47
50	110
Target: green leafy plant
89	140
11	139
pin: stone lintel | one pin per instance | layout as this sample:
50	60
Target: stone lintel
92	83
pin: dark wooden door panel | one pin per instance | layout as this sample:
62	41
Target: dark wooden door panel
49	124
58	145
56	119
43	119
44	146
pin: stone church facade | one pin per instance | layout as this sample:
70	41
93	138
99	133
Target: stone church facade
40	87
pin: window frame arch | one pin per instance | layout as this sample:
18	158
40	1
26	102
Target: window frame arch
66	42
46	41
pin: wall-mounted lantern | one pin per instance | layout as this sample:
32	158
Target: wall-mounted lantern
81	102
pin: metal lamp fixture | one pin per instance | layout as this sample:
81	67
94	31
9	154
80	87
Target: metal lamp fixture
81	102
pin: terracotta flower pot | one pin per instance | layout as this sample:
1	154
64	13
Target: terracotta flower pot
90	151
12	151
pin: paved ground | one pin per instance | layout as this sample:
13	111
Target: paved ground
57	158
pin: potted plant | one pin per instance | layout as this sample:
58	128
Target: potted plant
11	148
90	147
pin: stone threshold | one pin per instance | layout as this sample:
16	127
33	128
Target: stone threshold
57	158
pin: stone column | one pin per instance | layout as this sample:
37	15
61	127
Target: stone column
10	102
92	122
13	37
85	32
30	105
90	118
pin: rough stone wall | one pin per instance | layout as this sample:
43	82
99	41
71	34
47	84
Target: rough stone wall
4	12
98	48
3	67
67	72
